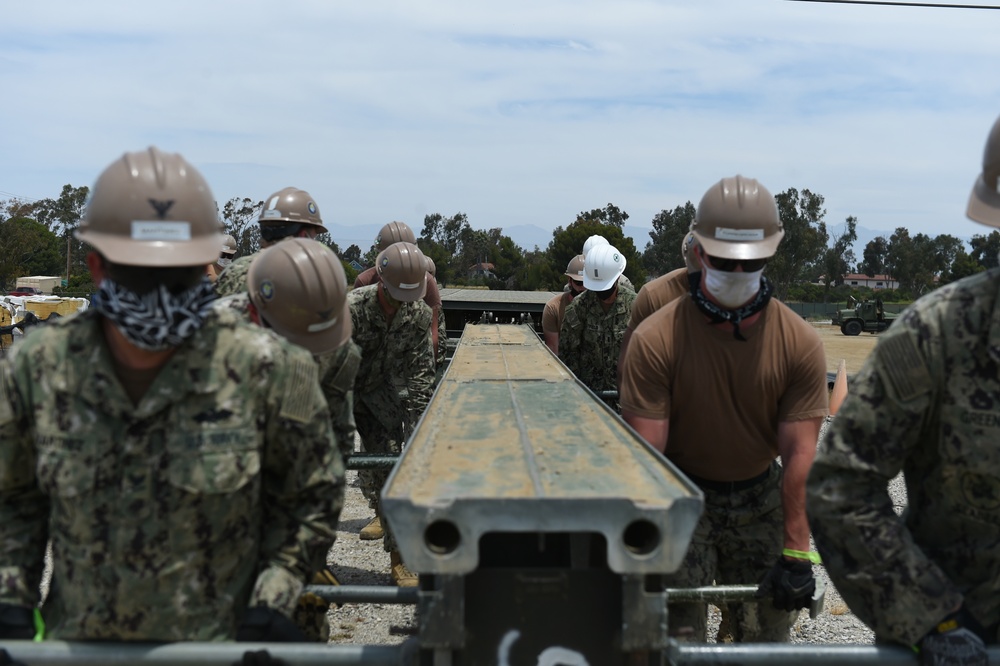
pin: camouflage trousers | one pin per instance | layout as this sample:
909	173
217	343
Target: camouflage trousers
381	433
738	539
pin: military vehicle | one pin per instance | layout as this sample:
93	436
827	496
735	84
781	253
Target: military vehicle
867	316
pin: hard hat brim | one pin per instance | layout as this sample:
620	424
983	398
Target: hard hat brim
591	284
984	204
406	295
154	254
321	342
758	249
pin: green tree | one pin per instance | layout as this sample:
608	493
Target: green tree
874	257
352	253
986	249
805	238
567	243
963	265
239	216
610	215
62	216
670	227
29	248
838	258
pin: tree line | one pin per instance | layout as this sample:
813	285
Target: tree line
36	238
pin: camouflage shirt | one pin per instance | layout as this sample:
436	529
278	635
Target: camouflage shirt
219	490
396	355
337	370
926	403
590	338
233	279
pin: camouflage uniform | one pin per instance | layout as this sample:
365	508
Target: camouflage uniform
337	370
233	279
590	340
219	491
735	542
395	380
926	403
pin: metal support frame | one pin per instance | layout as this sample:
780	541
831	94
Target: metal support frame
60	653
371	461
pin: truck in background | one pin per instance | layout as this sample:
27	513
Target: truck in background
43	283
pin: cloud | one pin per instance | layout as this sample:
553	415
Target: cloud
515	113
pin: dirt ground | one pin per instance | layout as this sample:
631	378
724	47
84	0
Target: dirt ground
839	347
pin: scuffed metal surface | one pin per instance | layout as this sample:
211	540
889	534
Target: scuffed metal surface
512	442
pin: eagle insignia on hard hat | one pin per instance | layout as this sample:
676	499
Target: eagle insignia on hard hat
266	290
312	208
385	261
616	258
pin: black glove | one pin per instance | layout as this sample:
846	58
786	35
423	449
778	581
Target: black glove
789	583
259	658
16	623
266	625
959	647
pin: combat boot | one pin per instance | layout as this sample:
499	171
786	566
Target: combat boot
401	576
372	530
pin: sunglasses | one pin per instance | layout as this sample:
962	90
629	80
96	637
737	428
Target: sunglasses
576	283
729	265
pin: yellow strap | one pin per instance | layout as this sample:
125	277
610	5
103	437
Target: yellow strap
812	556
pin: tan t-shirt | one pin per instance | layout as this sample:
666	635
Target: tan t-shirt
724	397
431	298
555	309
655	294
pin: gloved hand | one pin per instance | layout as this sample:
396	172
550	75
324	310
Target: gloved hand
259	658
16	623
789	583
266	625
959	647
957	640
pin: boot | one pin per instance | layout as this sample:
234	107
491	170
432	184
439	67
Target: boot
372	530
401	576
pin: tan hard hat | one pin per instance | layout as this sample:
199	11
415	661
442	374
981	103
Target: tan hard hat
228	245
394	232
574	269
402	268
431	268
738	219
688	247
291	205
300	289
984	201
151	208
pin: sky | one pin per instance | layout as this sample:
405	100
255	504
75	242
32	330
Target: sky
524	112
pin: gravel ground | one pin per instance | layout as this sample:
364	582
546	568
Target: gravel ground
357	562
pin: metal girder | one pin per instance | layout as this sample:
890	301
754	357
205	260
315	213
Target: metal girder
512	443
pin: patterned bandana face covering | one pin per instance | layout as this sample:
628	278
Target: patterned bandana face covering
158	320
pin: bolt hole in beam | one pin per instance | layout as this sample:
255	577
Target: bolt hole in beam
442	537
641	537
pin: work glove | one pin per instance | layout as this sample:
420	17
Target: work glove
266	625
954	642
259	658
789	583
16	623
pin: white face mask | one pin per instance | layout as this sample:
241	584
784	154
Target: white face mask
734	289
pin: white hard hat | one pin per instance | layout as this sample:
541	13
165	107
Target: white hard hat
604	264
593	242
